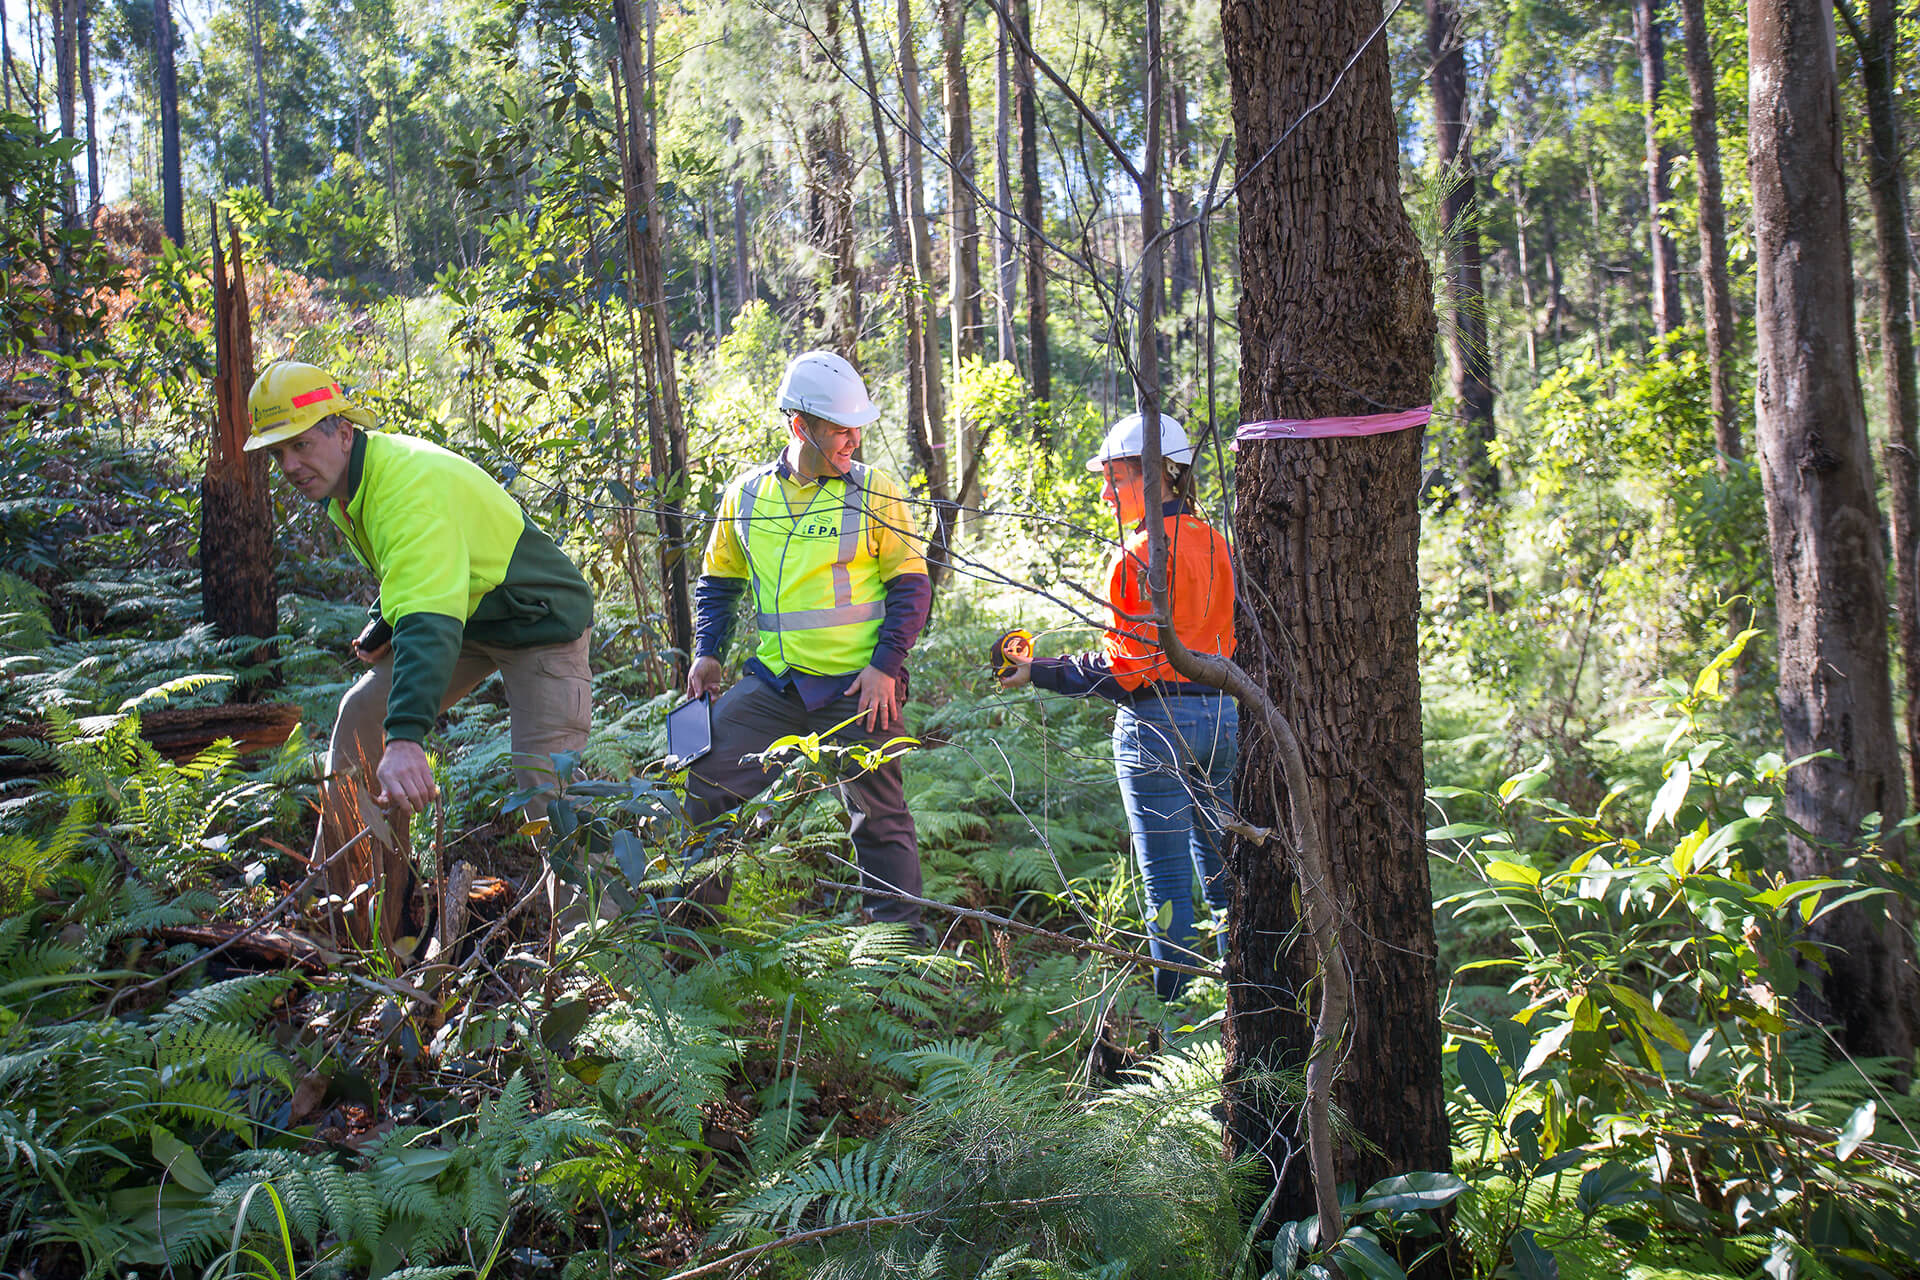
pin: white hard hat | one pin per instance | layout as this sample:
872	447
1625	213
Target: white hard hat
826	386
1127	439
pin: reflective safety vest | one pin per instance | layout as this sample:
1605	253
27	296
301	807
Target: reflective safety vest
816	584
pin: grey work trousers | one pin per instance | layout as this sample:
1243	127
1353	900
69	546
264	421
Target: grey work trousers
549	702
746	720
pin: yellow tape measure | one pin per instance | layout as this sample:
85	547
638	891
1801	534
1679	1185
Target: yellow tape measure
1011	648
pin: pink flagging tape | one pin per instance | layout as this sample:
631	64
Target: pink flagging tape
1372	424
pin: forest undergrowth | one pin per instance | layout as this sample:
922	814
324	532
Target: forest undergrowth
798	1092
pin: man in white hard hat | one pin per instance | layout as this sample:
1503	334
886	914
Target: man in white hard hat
827	548
469	585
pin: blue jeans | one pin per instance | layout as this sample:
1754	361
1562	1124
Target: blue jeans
1175	757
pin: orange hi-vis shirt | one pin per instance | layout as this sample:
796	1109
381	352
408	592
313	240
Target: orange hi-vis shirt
1200	593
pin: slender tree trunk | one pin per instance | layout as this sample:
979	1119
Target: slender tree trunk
830	193
1336	319
1005	248
66	44
1181	279
86	93
1667	312
1469	361
237	593
1522	249
666	432
919	233
1835	690
171	202
260	103
1714	290
743	290
713	267
1027	108
6	58
965	316
1887	192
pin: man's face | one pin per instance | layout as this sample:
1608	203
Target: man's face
825	447
315	462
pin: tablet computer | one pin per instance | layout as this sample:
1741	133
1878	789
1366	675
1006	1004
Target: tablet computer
689	732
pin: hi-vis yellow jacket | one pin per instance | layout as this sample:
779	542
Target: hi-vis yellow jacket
818	556
457	560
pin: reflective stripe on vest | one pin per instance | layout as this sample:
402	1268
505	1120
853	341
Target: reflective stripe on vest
826	626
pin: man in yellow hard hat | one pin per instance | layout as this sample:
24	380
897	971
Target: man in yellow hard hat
469	585
827	549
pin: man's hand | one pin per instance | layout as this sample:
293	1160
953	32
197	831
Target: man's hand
879	698
405	780
1020	675
374	642
371	656
706	676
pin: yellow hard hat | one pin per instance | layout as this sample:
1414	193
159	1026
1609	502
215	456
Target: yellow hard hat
288	397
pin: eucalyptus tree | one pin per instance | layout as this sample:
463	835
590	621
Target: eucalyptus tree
1336	319
1829	572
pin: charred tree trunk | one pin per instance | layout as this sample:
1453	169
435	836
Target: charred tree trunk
1887	192
1835	690
829	164
666	432
236	506
1027	109
1714	291
1181	276
925	330
1469	363
966	317
743	291
1336	319
1667	312
172	205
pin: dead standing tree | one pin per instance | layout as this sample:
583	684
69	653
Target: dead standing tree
236	508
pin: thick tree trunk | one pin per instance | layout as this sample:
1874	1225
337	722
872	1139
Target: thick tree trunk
1714	291
236	506
172	205
666	432
1005	247
1667	310
1027	109
1336	319
1828	571
920	240
1887	192
1469	362
829	164
1181	277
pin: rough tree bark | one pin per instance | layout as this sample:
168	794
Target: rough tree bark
85	34
173	208
1704	119
926	330
1469	360
1823	522
666	432
1027	110
1336	319
966	321
1887	193
236	505
1667	311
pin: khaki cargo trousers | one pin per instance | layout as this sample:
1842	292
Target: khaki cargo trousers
549	702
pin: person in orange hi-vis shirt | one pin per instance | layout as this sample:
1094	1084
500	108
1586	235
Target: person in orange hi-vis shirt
1175	743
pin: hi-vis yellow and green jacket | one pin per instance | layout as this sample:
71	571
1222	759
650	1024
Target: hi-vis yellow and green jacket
819	556
457	560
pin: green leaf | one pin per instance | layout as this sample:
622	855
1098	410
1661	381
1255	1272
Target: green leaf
1410	1191
180	1162
1360	1257
1859	1128
1649	1017
1612	1183
1514	1040
1672	794
1461	831
1512	872
1531	1259
1481	1076
562	1023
